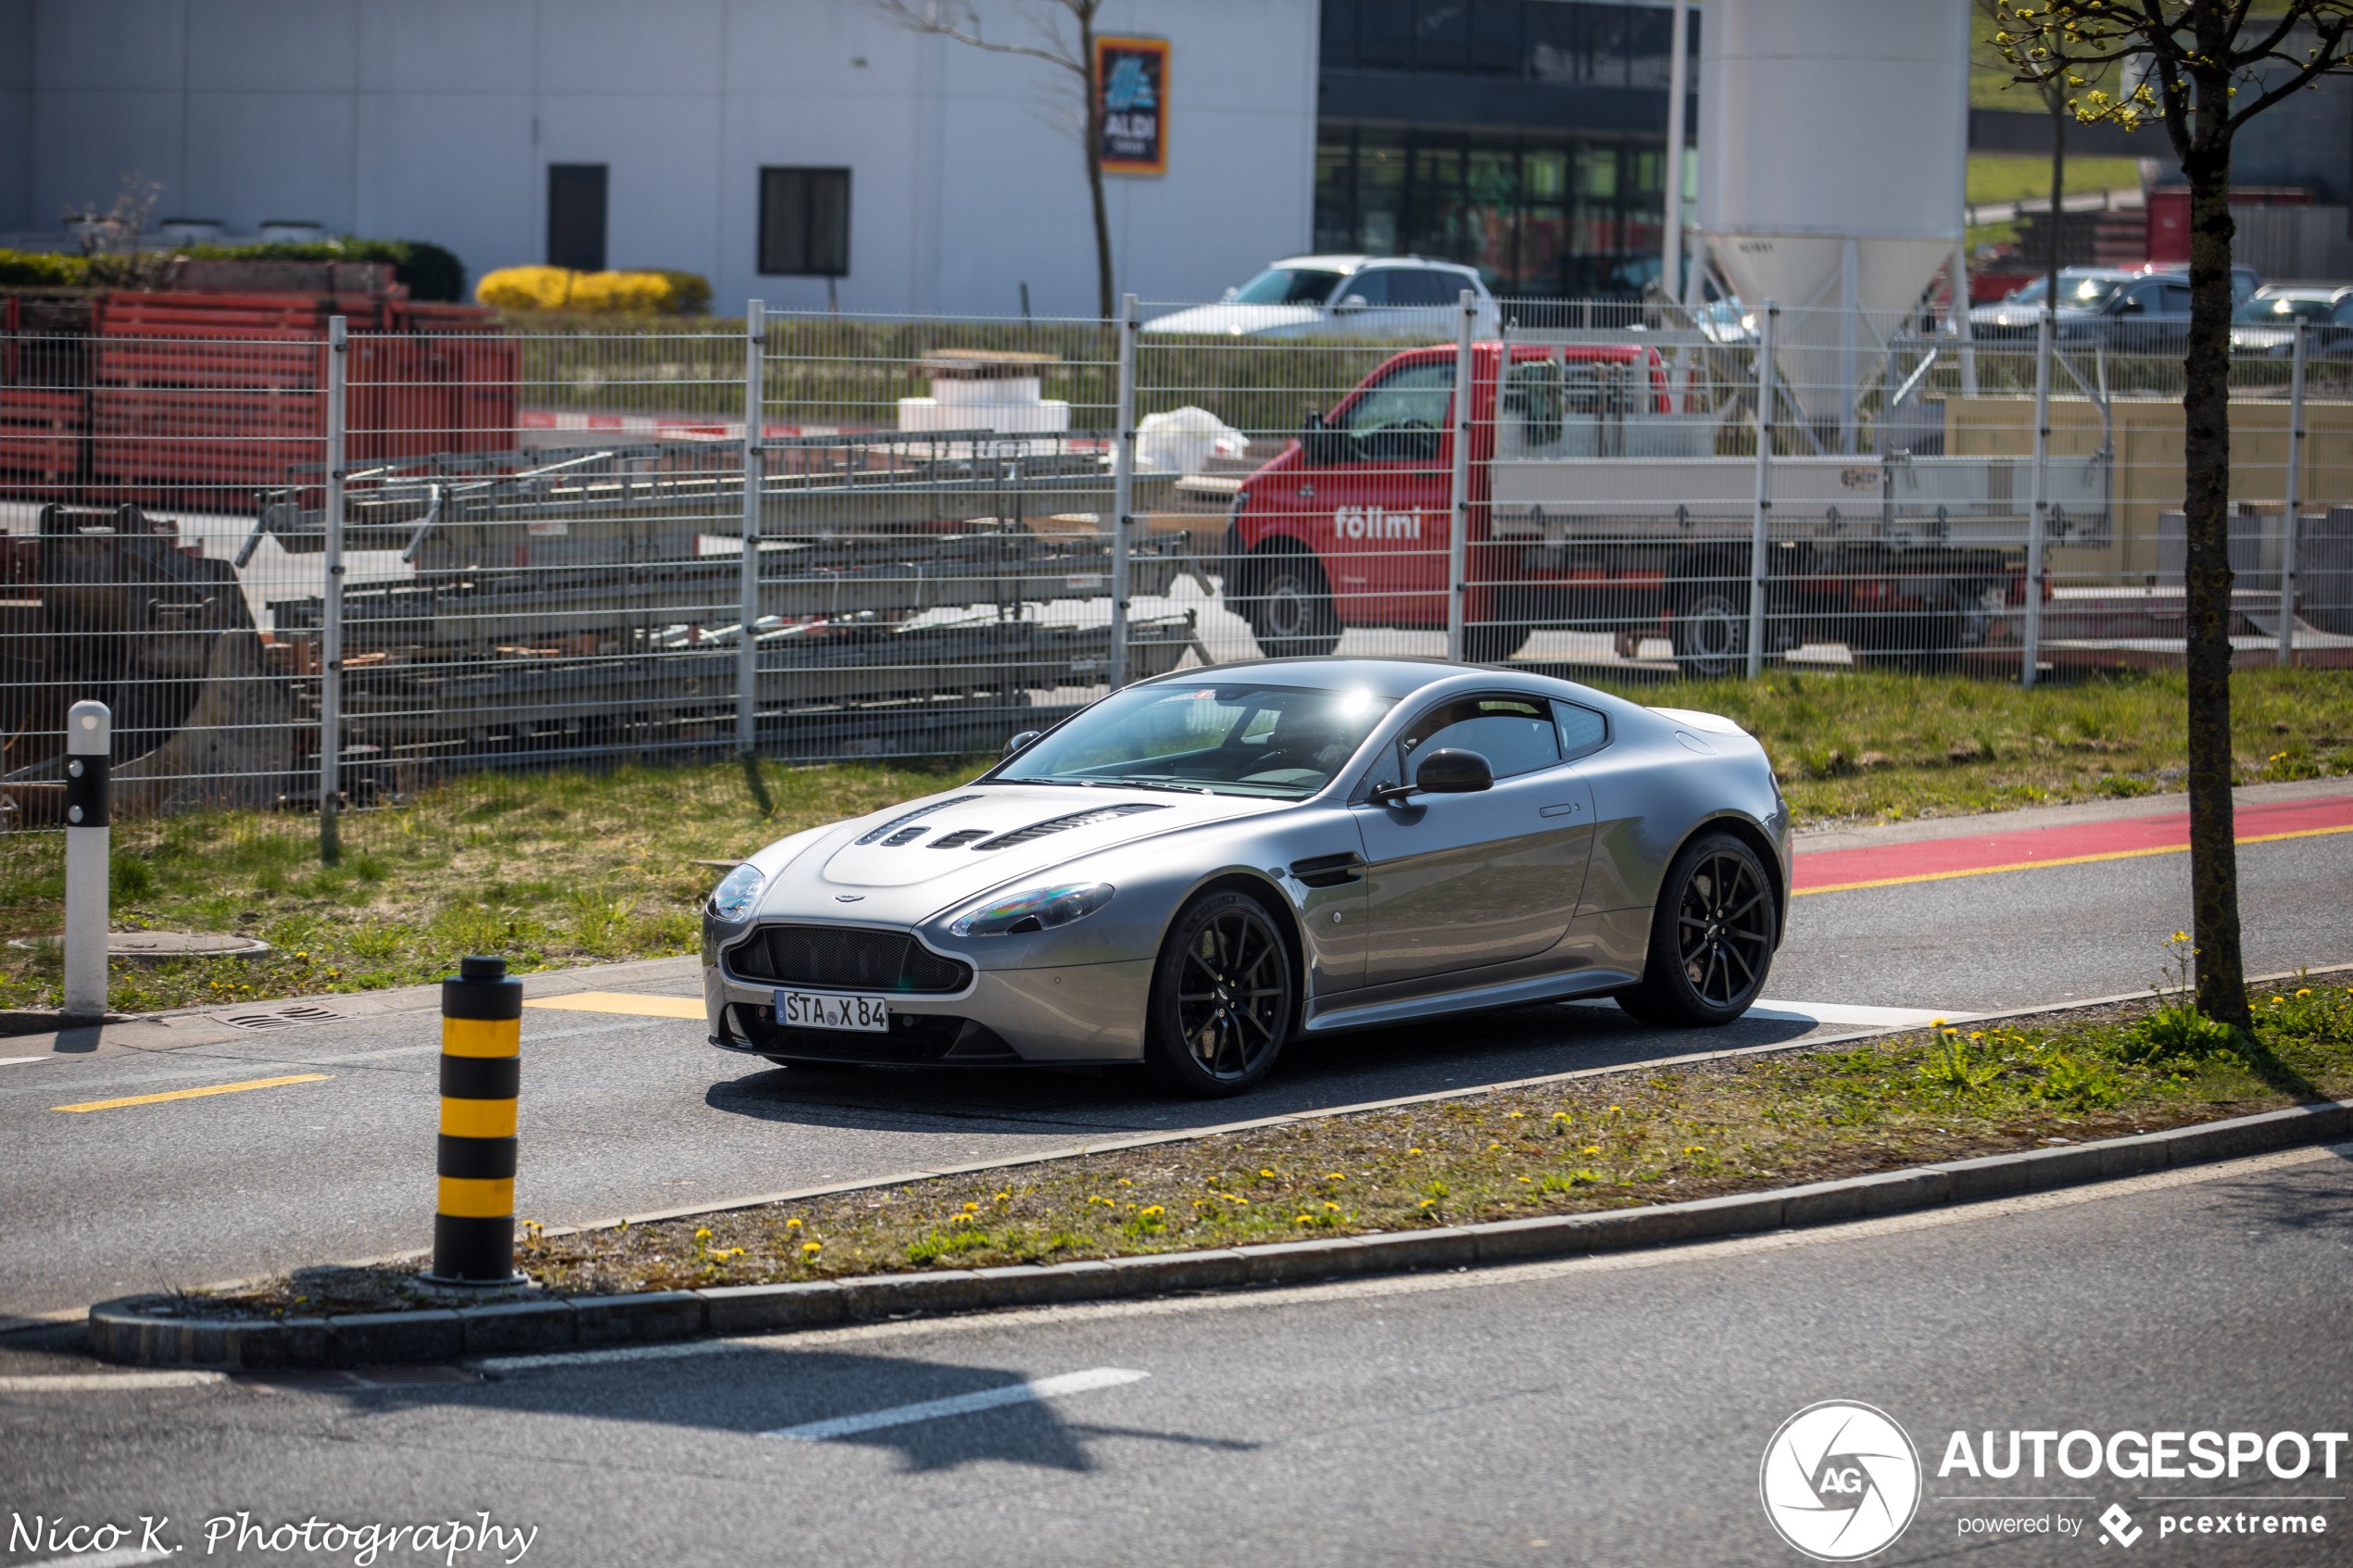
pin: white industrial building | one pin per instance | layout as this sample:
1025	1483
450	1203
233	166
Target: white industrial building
476	124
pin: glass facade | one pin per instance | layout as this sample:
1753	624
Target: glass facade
1525	137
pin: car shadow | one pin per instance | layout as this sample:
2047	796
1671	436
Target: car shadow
765	1391
1314	1074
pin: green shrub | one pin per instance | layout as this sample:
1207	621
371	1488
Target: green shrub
431	272
35	269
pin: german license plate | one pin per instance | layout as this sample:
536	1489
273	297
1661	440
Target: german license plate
826	1009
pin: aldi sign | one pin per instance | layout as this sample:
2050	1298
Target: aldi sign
1131	86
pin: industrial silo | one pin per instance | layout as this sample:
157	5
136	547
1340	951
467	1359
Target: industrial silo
1833	162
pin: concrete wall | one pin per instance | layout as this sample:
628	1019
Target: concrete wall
435	119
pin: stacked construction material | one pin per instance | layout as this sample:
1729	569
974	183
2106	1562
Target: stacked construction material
205	393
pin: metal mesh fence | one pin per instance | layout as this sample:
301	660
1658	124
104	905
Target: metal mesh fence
328	550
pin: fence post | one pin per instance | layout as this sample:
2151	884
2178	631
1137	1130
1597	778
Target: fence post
1760	516
1123	488
1458	513
755	464
2039	506
331	620
89	754
1961	326
2294	498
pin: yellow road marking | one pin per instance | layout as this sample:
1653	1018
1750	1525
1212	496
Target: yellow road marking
2065	860
623	1002
196	1094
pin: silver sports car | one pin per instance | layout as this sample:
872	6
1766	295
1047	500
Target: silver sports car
1204	866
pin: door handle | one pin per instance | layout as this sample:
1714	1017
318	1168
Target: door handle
1569	809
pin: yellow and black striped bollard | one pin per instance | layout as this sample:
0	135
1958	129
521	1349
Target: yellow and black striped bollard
473	1229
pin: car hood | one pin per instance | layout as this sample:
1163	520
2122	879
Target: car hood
1238	320
2024	315
854	873
2262	337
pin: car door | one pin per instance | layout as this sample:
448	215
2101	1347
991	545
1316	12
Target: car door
1380	503
1455	882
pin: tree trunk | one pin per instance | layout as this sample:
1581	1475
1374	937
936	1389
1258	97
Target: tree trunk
2205	407
1104	300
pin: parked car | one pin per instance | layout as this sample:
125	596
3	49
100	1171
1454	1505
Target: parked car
1204	866
2265	323
1342	296
2143	310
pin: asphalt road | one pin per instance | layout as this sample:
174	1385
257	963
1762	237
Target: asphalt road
628	1115
1606	1411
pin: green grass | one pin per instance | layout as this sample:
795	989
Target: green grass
1621	1141
573	867
2008	177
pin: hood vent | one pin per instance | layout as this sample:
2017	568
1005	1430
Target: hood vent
1060	824
957	839
905	817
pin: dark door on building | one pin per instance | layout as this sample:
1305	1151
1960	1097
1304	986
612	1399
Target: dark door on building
576	216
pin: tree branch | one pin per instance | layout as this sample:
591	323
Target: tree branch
930	21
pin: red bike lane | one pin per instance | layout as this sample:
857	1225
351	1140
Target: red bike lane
1839	870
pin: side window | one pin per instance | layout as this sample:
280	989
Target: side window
2177	300
1515	735
1583	731
1371	286
1420	285
1400	418
2343	315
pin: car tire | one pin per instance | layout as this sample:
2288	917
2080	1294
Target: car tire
1289	603
1222	999
1710	630
1712	937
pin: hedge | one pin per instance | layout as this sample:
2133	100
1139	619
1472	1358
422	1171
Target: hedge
649	293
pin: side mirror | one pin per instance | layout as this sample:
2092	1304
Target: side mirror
1318	443
1353	302
1450	771
1019	741
1229	294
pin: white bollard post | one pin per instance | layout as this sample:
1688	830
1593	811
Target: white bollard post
2039	507
2294	498
1760	532
88	750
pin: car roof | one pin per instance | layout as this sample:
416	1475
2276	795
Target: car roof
1360	263
1400	677
2301	291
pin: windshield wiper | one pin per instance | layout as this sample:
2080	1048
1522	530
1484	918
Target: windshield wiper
1137	784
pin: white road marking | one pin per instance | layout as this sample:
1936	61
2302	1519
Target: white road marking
1423	1283
13	1061
986	1399
102	1382
1825	1012
120	1557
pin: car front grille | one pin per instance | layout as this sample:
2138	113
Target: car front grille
845	958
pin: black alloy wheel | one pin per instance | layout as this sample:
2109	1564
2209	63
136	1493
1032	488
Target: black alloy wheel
1711	937
1221	1003
1711	633
1290	607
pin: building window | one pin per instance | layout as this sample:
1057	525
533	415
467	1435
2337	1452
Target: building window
804	223
576	216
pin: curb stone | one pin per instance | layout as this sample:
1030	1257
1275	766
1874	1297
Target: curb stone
129	1331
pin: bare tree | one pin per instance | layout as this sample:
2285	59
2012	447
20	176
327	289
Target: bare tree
2203	69
1050	22
2053	90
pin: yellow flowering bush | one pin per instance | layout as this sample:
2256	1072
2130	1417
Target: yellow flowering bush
595	294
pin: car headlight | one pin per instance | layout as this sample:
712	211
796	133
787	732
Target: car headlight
1034	908
737	891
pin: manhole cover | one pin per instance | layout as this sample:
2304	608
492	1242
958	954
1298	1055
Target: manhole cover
285	1017
154	946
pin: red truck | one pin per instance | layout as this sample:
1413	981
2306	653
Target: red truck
1594	503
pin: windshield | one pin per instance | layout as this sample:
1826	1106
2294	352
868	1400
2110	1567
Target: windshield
1289	285
1227	739
2076	292
2276	310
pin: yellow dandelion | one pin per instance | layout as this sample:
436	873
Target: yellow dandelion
1265	1171
811	1246
1429	1203
703	1234
1591	1149
1302	1218
792	1224
1515	1116
972	1208
1413	1152
1155	1212
1529	1179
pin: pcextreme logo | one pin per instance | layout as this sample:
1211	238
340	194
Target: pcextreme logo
1839	1481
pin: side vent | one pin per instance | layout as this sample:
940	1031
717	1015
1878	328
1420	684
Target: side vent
905	817
1329	871
1060	824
